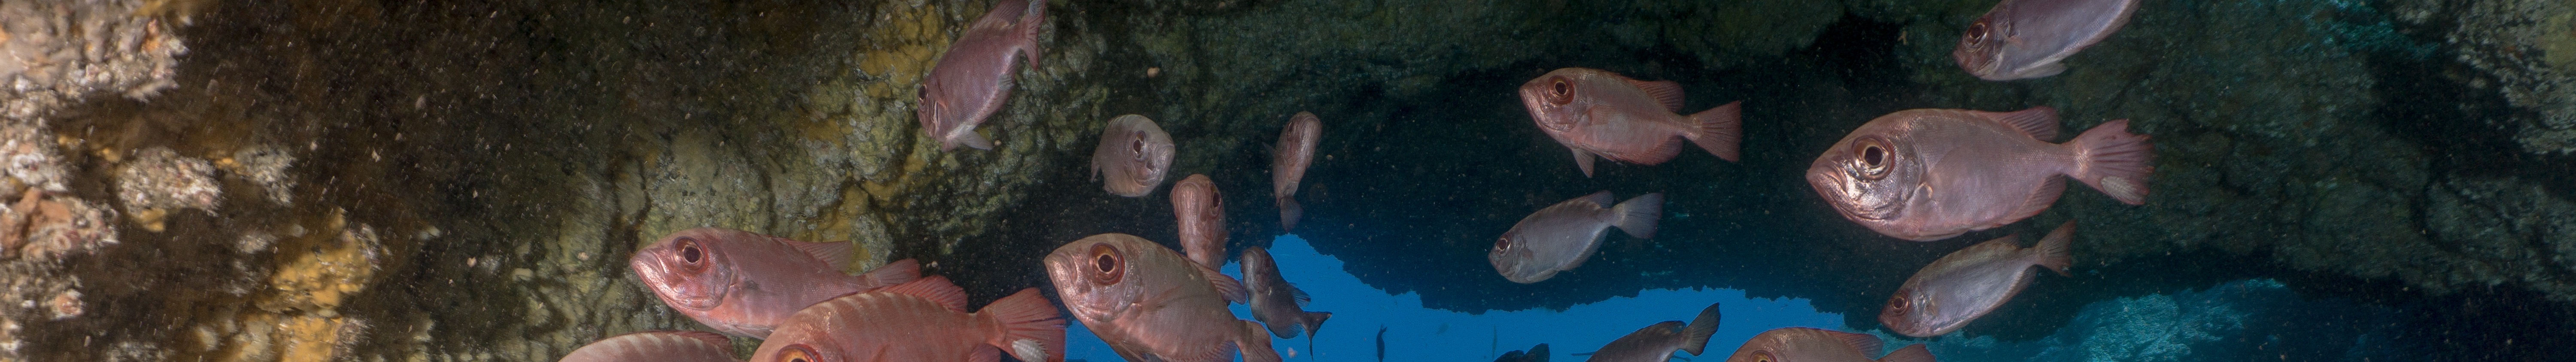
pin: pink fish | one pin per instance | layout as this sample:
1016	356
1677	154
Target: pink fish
1134	154
1596	112
742	283
1802	344
672	346
1152	304
1296	149
1560	237
1201	211
1656	343
2022	39
1931	174
975	75
1279	305
1971	282
924	320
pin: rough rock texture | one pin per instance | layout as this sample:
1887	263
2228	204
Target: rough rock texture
55	53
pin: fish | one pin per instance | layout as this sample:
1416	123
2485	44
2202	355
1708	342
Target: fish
2024	39
1152	304
1296	150
1536	353
1932	174
1802	344
1201	210
743	284
1656	343
672	346
973	78
1381	343
924	320
1275	302
1971	282
1596	112
1560	237
1134	154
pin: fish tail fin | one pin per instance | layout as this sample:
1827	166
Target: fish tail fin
1030	328
1289	211
1030	24
1315	321
2111	159
1695	336
897	272
1719	130
1254	342
1913	353
968	138
2055	250
1637	216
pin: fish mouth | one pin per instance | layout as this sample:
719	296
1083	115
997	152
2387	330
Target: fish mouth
1845	194
667	283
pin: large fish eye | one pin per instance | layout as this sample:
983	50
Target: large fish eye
1564	92
797	353
1502	243
689	251
1977	32
1901	304
1874	156
1105	260
1137	148
1763	356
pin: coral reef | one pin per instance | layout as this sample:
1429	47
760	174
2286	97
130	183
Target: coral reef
56	53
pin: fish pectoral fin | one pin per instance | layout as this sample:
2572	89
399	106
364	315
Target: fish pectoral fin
2044	70
1582	160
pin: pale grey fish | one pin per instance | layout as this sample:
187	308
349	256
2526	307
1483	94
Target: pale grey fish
1932	174
2022	39
1134	154
1971	282
974	77
673	346
1149	303
1596	112
1200	211
1802	344
1560	237
1278	304
1296	149
1656	343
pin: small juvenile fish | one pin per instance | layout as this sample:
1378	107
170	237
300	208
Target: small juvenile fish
1596	112
1560	237
1275	302
974	77
1288	164
925	320
672	346
1134	153
743	283
1932	174
1151	304
2022	39
1971	282
1656	343
1201	211
1802	344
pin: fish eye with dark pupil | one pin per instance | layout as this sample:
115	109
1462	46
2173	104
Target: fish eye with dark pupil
1105	260
1562	88
1873	156
689	251
1977	32
1502	243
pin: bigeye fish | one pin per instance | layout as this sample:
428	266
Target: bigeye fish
1278	304
1151	304
1560	237
1201	213
1802	344
924	320
2022	39
1296	149
672	346
1971	282
743	283
973	78
1656	343
1134	154
1596	112
1931	174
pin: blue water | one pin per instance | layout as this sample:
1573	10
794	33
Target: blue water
1414	333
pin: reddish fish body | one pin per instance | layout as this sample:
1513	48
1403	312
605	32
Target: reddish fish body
671	346
1133	155
1656	343
1596	112
973	78
1560	237
1279	305
1296	149
743	284
1201	213
1152	304
1971	282
1801	344
2023	39
925	320
1931	174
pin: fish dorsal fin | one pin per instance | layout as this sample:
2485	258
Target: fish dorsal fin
1599	199
935	288
1665	92
1867	344
838	254
2038	122
711	338
1225	285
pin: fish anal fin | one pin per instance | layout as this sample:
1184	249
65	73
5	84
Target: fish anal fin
1254	341
2040	199
1032	331
2038	122
1665	92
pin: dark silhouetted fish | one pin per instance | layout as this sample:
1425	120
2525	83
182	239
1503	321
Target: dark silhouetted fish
925	320
1656	343
1971	282
1201	213
1560	237
1596	112
973	78
1802	344
1381	343
743	283
672	346
1536	353
2023	39
1279	305
1288	162
1134	154
1931	174
1151	304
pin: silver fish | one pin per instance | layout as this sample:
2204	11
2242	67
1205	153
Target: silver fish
1802	344
1296	149
1596	112
1971	282
1656	343
1134	153
973	78
1931	174
1200	211
2023	39
1151	304
1560	237
1279	305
